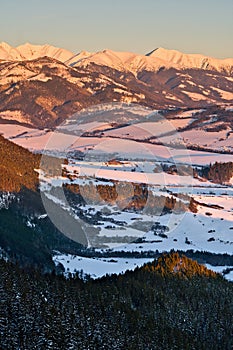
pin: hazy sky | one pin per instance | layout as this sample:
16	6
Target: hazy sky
193	26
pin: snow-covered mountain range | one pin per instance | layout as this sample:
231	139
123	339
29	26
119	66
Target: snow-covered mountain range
43	85
126	61
152	61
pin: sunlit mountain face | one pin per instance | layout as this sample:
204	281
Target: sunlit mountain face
43	85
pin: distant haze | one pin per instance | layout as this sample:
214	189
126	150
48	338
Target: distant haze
192	26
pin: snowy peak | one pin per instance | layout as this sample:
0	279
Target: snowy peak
5	46
193	60
28	51
78	57
122	61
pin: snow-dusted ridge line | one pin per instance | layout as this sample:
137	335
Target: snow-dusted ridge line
28	51
192	60
159	58
124	61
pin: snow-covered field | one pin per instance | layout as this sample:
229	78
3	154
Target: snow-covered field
220	140
209	229
221	269
40	140
99	267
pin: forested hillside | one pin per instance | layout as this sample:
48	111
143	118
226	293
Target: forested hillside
17	166
145	309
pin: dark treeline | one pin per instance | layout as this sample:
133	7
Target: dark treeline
172	303
218	172
128	196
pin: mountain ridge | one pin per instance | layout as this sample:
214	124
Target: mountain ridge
30	51
117	59
44	91
193	60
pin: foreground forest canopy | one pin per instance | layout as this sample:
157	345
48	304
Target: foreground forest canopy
171	303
